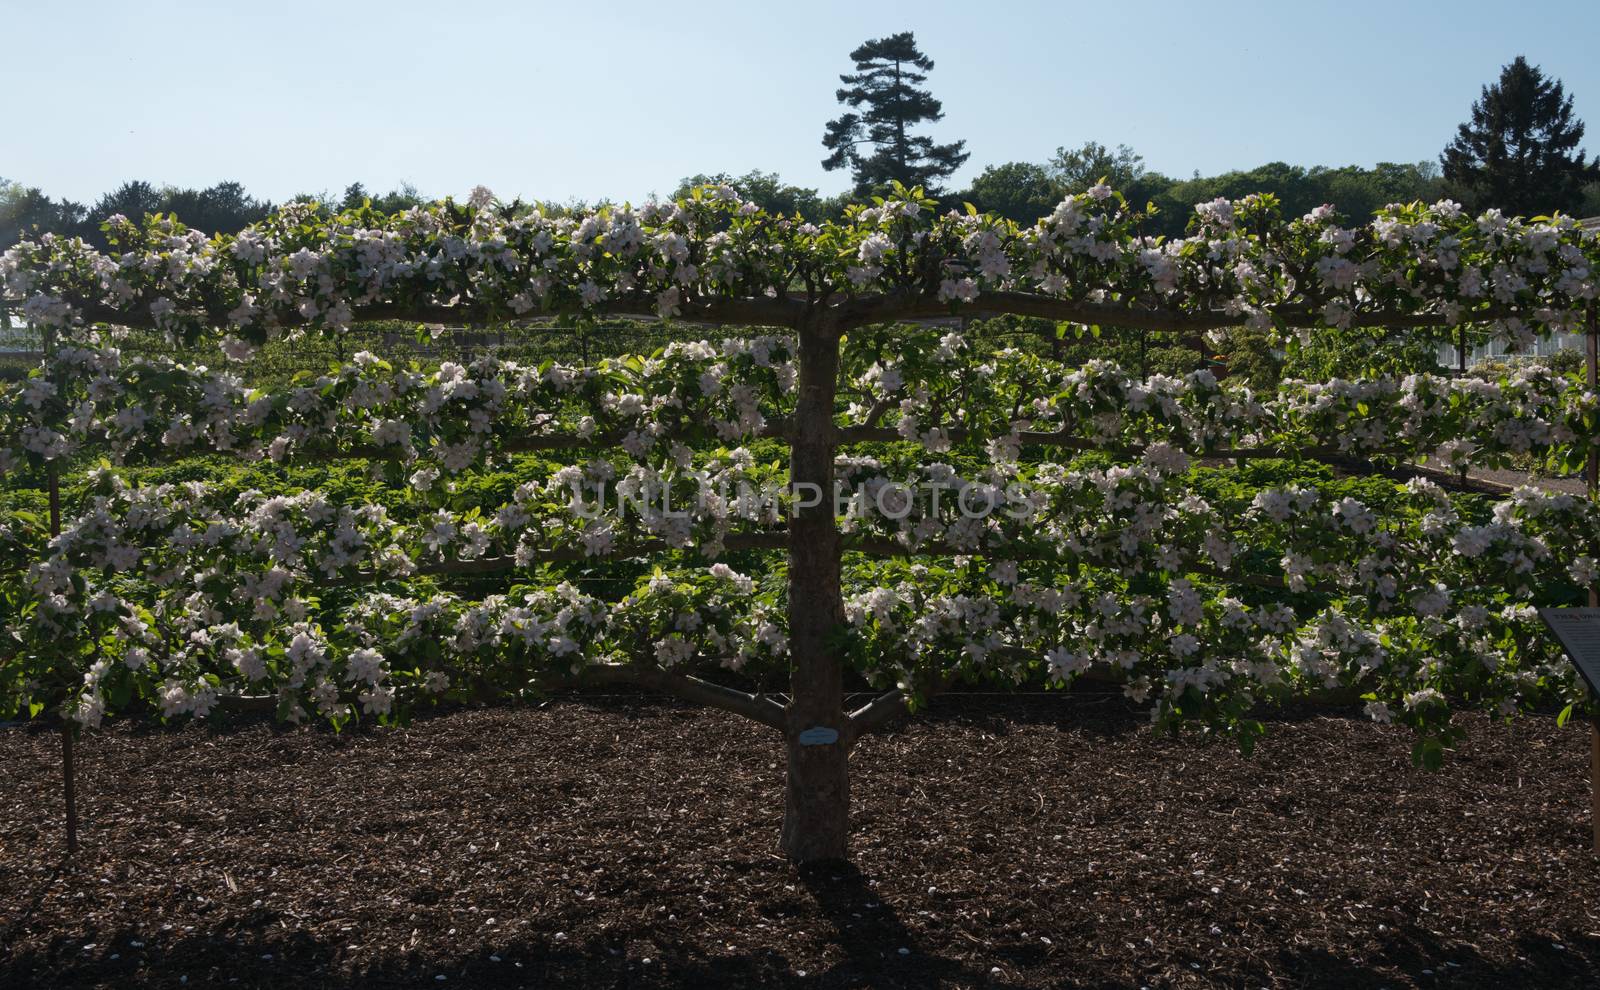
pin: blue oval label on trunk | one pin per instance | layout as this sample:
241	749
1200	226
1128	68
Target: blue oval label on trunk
819	735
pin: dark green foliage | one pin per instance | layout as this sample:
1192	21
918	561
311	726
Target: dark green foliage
224	208
1147	352
1357	192
1520	151
1023	191
886	102
1327	355
1076	169
26	209
134	200
1253	357
771	193
1020	191
393	201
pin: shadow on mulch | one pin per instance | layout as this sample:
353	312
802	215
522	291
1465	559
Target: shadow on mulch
228	957
202	958
617	842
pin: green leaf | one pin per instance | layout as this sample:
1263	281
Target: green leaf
1428	754
117	692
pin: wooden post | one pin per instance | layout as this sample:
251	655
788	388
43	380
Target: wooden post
69	788
68	778
1592	480
1461	372
1592	465
1594	781
69	781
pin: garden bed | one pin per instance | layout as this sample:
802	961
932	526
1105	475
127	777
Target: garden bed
626	843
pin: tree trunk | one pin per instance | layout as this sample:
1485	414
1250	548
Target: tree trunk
816	814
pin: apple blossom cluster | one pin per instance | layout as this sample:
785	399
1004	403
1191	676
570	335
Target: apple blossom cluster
1009	565
1196	653
941	391
446	418
712	253
1416	603
187	595
183	596
1145	521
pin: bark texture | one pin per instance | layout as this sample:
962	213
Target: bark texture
816	814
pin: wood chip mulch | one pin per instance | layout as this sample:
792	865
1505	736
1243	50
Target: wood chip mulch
625	842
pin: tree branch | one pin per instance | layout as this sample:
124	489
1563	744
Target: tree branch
915	304
777	430
1356	463
692	689
900	304
886	707
746	311
880	546
1350	462
867	434
495	565
875	414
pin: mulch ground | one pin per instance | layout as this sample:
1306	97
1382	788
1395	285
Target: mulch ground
629	843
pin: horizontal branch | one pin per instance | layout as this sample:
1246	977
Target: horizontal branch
886	707
1406	471
875	714
879	546
872	546
762	311
512	445
867	434
695	690
495	565
888	307
910	304
1346	461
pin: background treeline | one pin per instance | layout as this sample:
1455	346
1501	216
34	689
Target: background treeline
1026	191
224	208
1023	191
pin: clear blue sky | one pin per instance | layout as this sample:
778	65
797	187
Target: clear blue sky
617	99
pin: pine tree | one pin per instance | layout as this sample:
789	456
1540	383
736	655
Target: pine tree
1519	152
886	102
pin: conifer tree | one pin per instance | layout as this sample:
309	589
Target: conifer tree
1520	151
873	138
